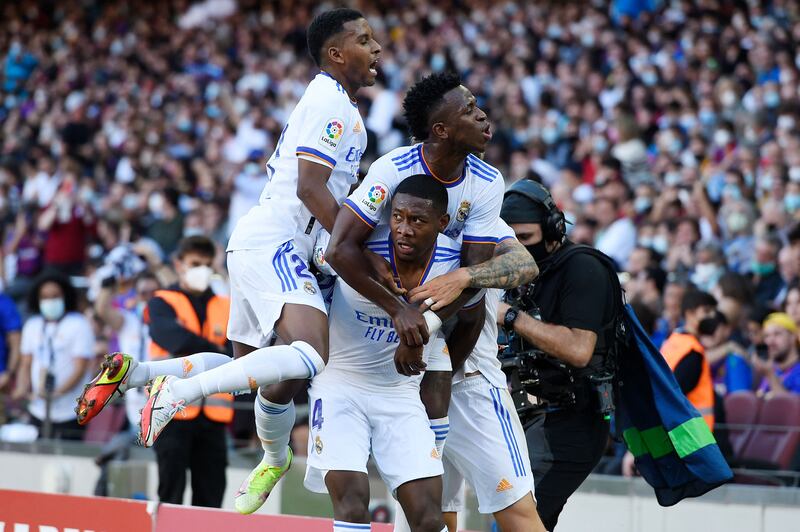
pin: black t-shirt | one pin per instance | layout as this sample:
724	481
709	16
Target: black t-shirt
579	294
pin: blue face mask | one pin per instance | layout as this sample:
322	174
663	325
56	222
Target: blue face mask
791	202
762	269
732	191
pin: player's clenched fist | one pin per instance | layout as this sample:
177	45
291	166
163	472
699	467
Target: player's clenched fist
411	326
408	360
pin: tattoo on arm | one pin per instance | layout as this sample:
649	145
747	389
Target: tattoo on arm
511	266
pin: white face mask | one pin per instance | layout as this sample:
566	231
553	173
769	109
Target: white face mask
52	309
198	278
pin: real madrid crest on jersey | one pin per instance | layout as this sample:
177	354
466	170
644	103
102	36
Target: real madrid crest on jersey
308	286
463	211
318	445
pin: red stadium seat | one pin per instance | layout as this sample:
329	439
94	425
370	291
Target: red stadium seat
776	438
741	408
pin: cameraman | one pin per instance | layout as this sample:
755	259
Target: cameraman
578	302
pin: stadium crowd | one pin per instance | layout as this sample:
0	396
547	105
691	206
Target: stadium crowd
668	136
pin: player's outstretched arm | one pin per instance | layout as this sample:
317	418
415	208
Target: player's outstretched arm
346	257
510	267
312	189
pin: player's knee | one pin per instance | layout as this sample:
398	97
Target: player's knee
435	393
353	508
428	518
428	521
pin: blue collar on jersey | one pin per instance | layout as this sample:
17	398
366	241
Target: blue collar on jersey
428	171
392	262
340	88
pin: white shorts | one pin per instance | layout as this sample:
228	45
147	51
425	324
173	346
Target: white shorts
487	446
262	281
351	421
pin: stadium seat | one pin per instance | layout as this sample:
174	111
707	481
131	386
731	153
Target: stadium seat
776	437
741	411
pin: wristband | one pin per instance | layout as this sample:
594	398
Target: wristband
433	321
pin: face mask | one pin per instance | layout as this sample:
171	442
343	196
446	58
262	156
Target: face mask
785	122
732	192
156	204
707	117
549	135
251	169
140	308
791	202
130	202
600	144
538	251
736	222
193	231
722	137
198	278
765	183
794	174
52	309
762	269
649	78
661	244
705	276
642	204
728	98
672	179
772	99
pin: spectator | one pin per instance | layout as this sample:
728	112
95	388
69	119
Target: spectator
129	328
686	356
729	367
57	347
766	278
10	326
616	235
166	228
780	372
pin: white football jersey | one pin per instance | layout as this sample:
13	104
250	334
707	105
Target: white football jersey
484	355
362	337
324	128
474	198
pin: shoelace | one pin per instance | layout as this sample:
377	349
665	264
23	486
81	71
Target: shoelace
262	478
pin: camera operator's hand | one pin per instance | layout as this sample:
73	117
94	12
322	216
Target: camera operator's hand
443	290
628	465
408	360
502	308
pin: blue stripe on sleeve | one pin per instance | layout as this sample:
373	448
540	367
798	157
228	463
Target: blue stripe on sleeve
358	212
316	153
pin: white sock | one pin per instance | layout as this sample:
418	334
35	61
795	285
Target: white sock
344	526
400	521
274	424
440	428
182	367
264	366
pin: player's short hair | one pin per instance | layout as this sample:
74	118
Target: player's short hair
423	98
326	25
197	244
424	187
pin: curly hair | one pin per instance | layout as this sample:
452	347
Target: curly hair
423	98
326	25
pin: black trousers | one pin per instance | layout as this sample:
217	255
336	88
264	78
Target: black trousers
197	445
564	448
65	430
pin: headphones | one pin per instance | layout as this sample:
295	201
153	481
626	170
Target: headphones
554	227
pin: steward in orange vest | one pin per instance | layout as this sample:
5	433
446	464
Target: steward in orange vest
217	407
189	318
686	356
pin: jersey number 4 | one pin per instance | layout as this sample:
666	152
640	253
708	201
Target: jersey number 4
316	415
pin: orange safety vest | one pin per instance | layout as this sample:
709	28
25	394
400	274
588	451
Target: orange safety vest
674	349
217	407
